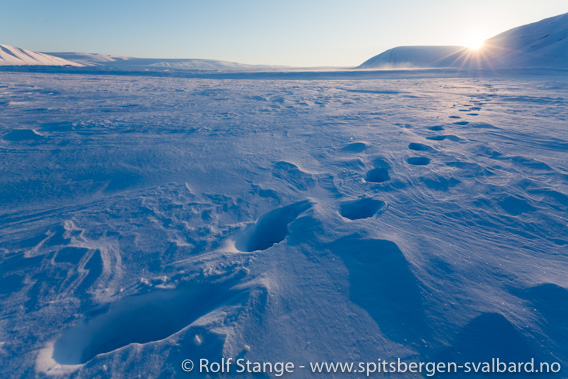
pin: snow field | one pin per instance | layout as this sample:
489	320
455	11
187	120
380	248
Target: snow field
149	220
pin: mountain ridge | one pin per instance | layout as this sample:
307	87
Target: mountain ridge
122	62
15	56
540	44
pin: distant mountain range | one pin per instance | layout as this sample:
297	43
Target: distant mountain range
541	44
129	63
14	56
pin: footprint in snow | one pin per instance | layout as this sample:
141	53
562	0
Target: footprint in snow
419	147
436	128
362	208
418	161
355	147
380	172
377	175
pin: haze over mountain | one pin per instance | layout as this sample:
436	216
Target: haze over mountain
14	56
540	44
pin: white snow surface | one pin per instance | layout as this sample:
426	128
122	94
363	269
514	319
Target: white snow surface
542	44
15	56
147	220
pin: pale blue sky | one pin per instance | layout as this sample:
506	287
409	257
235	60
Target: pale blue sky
292	32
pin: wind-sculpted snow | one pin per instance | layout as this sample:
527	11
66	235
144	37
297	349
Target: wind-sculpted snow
488	336
145	220
381	283
22	135
271	228
550	302
141	318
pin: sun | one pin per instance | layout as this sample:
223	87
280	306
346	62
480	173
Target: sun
475	44
475	40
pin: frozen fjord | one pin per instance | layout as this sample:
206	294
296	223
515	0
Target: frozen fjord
147	220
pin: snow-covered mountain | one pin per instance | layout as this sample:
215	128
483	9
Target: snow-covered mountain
411	56
130	63
540	44
15	56
543	43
